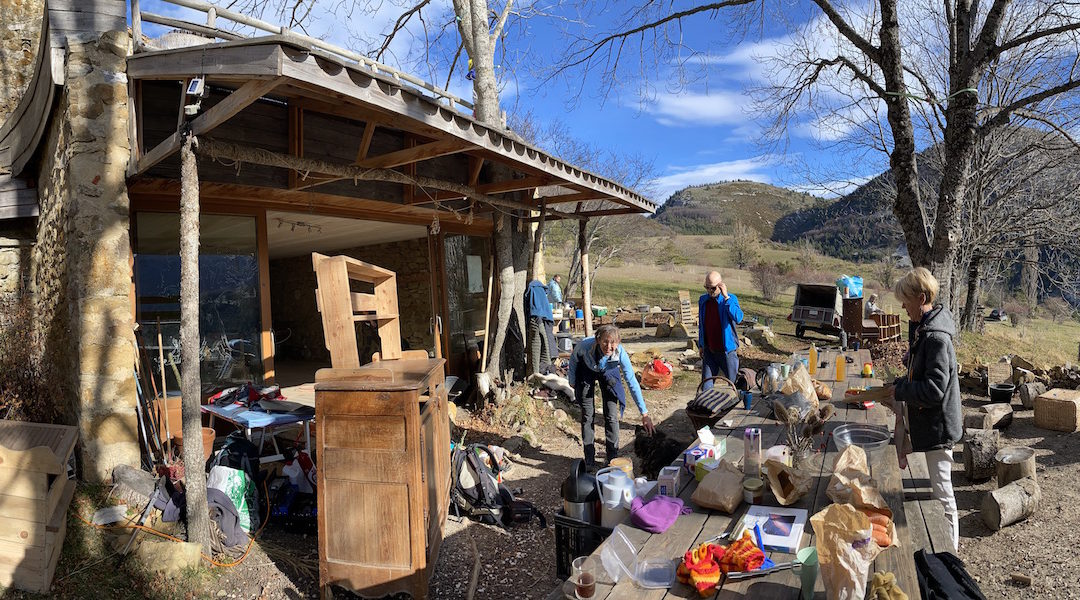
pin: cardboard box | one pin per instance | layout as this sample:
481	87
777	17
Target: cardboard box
1058	410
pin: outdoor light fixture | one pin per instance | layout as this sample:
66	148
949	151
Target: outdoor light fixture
311	227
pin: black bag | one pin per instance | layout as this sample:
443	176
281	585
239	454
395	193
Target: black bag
477	493
238	453
942	577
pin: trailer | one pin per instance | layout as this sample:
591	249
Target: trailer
819	308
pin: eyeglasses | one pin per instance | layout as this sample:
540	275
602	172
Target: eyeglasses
710	288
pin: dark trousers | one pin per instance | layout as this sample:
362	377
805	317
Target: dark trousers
613	396
540	344
718	363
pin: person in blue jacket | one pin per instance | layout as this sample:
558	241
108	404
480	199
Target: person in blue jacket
602	362
541	338
718	313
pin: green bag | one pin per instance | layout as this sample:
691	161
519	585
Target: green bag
239	487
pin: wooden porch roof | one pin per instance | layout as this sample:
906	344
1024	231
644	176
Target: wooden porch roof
283	67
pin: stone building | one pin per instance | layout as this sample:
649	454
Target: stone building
90	192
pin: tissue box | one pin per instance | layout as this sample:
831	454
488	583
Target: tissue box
691	456
704	467
668	481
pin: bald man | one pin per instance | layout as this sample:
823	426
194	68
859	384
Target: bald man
718	312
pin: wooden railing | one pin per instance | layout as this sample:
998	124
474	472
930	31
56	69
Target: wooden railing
213	13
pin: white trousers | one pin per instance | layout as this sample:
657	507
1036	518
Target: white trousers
939	464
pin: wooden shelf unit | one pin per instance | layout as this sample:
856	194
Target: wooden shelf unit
34	497
383	437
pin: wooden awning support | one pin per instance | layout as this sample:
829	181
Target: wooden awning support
586	289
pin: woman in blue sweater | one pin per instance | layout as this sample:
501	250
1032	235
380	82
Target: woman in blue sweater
602	362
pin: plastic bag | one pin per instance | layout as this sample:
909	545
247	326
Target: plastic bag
797	400
655	379
799	381
853	285
851	483
241	490
721	489
301	473
845	550
788	484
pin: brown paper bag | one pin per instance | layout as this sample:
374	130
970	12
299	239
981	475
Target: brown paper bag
787	483
721	489
845	550
851	482
799	381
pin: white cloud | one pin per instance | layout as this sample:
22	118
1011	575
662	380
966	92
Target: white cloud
682	176
694	110
830	189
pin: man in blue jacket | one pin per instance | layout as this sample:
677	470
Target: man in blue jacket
541	338
718	312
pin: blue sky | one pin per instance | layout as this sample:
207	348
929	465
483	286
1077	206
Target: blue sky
699	132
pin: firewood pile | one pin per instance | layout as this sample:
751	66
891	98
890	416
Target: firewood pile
973	376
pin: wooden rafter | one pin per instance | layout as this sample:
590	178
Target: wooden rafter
419	153
216	115
502	187
365	141
578	197
296	138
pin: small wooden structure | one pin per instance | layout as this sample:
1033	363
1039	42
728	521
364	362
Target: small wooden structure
880	327
34	496
383	434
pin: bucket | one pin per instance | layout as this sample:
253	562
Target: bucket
1002	392
579	314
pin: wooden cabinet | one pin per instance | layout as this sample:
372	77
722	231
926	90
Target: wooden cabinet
383	439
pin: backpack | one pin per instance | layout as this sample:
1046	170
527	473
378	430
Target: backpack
942	577
475	490
238	453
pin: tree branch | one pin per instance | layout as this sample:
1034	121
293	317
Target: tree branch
497	31
1031	37
1004	113
398	26
872	52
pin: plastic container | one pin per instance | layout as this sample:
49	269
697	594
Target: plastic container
841	367
579	314
867	437
1002	392
620	559
753	490
813	360
574	538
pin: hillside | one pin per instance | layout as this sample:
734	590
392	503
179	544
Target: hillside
713	208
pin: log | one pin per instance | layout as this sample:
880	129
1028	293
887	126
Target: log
1010	504
1012	463
976	419
980	447
1030	391
1001	415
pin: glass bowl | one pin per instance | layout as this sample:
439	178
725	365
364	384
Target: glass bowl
867	437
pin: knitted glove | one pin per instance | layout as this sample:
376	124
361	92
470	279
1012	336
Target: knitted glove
883	587
742	555
699	568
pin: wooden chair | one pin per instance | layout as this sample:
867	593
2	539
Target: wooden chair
341	308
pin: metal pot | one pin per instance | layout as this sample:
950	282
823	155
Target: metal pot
580	495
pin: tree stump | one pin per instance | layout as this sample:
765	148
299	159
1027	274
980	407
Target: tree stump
1030	391
1012	463
1001	415
976	419
979	449
1010	504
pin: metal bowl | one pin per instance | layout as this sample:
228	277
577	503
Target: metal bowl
867	437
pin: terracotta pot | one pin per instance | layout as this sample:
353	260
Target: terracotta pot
208	437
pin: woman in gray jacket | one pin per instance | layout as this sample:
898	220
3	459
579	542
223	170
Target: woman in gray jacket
930	391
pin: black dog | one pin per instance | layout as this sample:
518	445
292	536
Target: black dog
656	451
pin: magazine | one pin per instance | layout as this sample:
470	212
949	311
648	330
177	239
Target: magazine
781	527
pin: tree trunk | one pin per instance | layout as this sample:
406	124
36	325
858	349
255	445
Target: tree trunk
522	244
1028	393
1010	504
971	303
979	449
504	258
536	268
586	287
1012	463
1001	415
1029	277
198	516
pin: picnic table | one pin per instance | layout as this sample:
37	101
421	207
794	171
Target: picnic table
919	521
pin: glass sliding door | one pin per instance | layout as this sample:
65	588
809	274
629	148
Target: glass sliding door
229	309
467	267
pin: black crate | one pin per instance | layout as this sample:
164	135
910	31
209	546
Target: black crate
574	538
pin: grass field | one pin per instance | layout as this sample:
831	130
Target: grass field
1040	341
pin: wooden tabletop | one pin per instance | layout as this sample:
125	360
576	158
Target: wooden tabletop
703	524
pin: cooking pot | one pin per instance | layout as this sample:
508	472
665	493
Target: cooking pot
580	494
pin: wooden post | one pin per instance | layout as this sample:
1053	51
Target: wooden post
586	287
198	517
536	267
487	310
136	25
164	394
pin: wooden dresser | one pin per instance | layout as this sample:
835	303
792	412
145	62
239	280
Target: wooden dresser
383	439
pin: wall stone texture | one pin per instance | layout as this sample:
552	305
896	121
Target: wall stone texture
16	244
80	273
20	34
292	295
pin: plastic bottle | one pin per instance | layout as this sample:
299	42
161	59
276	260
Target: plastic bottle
813	359
841	367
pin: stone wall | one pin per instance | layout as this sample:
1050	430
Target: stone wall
292	294
16	244
20	33
80	272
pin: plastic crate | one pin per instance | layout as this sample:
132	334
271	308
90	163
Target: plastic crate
574	538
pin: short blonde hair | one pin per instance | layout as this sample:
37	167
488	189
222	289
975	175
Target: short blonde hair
918	281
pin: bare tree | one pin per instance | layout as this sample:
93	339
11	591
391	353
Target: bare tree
745	245
865	55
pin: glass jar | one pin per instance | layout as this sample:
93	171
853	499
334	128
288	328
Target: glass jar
753	490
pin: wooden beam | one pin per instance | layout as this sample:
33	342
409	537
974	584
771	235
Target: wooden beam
365	141
216	115
475	164
579	197
296	139
408	191
502	187
260	156
266	336
416	154
596	213
586	291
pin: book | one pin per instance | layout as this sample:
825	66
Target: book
781	527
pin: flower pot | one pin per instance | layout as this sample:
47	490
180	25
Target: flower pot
208	437
1002	392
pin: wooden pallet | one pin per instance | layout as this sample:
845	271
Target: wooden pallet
34	501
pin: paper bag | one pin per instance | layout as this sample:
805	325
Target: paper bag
787	483
851	483
799	381
721	489
845	550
